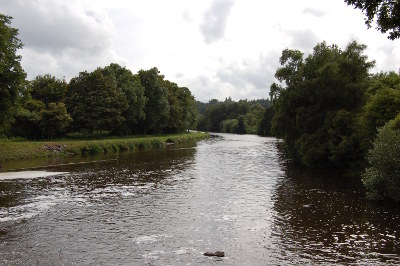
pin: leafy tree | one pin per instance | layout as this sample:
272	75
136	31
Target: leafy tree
387	13
12	76
182	108
130	86
316	97
382	178
241	128
157	106
252	119
215	114
382	105
54	119
27	119
94	102
229	126
48	89
264	127
223	116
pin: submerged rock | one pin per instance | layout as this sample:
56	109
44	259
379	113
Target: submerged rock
215	254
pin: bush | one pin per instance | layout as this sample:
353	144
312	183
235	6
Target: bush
382	179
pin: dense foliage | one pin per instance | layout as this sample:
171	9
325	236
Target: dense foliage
110	99
316	102
94	102
332	113
382	179
243	117
387	13
12	76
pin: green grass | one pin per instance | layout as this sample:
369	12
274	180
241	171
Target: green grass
17	149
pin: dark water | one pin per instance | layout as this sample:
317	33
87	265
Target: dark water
233	193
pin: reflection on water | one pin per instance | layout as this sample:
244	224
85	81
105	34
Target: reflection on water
325	218
232	193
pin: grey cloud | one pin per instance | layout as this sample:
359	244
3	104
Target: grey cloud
214	20
62	36
303	40
203	88
58	25
314	12
179	75
251	78
388	52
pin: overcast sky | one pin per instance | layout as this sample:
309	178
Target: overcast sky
216	48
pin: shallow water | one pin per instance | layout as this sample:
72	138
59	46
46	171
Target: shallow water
232	193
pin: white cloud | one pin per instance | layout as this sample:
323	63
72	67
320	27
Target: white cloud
216	48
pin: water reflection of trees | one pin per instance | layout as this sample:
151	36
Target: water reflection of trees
321	216
129	170
132	169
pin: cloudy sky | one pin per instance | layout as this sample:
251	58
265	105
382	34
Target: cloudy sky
216	48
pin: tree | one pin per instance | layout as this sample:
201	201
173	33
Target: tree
48	89
382	178
94	102
130	86
318	96
157	107
382	105
12	76
387	13
27	119
264	127
241	128
182	108
54	119
229	126
252	119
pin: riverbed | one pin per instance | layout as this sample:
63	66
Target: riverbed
233	193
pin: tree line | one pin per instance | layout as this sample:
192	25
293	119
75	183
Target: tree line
242	117
110	99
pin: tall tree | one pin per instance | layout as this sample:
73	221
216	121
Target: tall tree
94	102
387	13
130	86
318	100
12	76
157	107
182	108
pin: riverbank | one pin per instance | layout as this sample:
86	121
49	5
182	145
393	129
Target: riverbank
17	150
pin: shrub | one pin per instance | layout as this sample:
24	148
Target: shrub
382	179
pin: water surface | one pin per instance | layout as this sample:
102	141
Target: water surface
232	193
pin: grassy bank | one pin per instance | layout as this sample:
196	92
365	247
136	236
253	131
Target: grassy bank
15	150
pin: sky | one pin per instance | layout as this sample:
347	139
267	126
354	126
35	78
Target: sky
216	48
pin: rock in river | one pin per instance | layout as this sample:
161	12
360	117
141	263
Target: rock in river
215	254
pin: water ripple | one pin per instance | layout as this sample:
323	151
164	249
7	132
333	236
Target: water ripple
232	193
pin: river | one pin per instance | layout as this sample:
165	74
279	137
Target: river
237	194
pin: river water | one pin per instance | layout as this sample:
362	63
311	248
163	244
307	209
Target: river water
237	194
